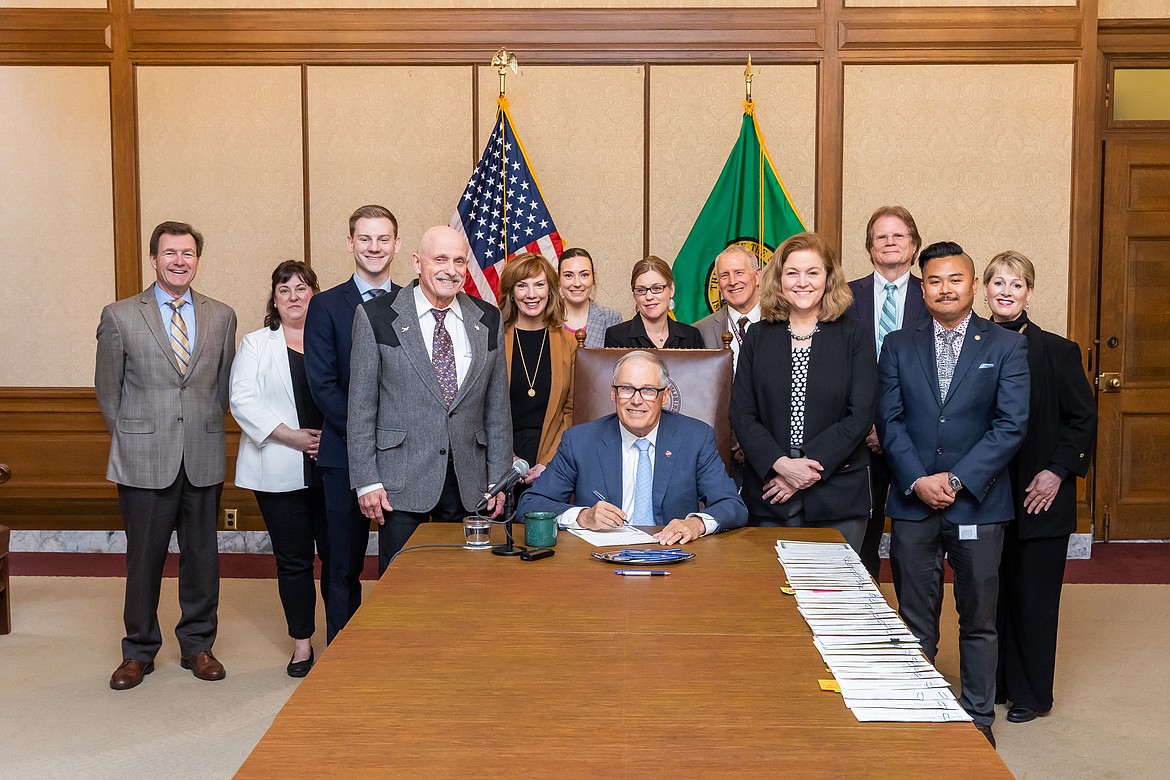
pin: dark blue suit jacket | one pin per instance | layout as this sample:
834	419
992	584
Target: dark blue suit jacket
687	470
974	434
328	342
862	307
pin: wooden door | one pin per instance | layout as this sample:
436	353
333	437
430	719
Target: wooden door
1133	447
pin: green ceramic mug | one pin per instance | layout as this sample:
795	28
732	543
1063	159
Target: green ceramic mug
540	529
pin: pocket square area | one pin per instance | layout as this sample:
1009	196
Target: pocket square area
987	365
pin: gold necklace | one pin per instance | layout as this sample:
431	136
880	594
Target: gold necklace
524	363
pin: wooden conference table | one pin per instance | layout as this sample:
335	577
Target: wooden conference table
464	663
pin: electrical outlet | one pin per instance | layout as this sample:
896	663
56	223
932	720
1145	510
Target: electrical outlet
230	519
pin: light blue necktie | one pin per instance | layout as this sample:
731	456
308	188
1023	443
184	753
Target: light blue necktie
643	486
889	319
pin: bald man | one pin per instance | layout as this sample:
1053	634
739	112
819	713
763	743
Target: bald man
429	418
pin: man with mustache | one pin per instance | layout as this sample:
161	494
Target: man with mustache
373	241
429	418
952	411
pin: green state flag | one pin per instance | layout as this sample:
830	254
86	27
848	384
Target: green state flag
748	206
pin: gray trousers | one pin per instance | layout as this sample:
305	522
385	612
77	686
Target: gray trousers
916	555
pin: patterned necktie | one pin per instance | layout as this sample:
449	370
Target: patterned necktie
946	362
643	513
179	341
742	322
889	319
443	358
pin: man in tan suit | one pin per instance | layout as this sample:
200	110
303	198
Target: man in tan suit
163	362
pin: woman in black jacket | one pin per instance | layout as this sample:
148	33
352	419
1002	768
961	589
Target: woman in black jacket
1062	427
803	397
652	283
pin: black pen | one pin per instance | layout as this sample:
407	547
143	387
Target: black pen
641	573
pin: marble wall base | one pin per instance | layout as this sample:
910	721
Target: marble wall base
115	542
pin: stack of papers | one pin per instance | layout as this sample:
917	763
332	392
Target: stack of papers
875	659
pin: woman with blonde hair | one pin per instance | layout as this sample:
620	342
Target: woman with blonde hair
803	397
540	355
652	283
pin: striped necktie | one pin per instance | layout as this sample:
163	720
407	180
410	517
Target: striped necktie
889	319
179	341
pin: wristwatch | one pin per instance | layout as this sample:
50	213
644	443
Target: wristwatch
956	483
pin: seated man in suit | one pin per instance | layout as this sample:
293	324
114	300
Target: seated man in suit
640	465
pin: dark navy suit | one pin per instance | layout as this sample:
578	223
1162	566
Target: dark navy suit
973	435
913	313
687	470
328	342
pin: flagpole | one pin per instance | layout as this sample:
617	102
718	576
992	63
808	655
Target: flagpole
749	107
502	61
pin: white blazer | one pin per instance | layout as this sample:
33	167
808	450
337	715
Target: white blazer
261	399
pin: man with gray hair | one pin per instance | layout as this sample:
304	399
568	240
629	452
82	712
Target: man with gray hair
640	466
737	272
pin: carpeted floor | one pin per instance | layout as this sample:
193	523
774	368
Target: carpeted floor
59	719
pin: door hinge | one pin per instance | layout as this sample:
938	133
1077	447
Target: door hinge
1105	521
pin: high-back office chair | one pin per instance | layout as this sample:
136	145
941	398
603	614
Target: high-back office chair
700	385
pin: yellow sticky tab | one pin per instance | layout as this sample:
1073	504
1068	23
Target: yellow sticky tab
788	591
830	685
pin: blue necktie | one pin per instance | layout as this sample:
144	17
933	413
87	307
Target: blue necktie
643	486
889	319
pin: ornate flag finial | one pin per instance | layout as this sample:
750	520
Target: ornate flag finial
503	61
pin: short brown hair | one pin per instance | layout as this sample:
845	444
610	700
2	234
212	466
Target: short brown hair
525	266
837	297
372	211
283	273
1013	261
651	263
171	228
901	213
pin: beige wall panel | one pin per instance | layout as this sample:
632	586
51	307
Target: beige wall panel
396	136
56	222
1133	9
221	148
469	4
953	3
52	3
695	116
979	154
582	129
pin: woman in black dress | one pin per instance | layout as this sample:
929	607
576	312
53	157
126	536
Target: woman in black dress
1062	428
652	283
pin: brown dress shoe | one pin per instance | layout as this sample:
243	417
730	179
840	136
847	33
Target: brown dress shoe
204	666
130	674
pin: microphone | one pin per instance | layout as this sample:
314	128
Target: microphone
515	474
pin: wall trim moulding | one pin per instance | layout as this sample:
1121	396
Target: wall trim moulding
948	29
33	36
1147	38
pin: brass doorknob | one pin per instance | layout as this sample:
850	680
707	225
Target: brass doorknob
5	473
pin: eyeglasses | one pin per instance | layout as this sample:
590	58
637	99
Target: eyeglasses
626	392
171	254
655	289
884	237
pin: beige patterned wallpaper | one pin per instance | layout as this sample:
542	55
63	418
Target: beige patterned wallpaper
695	116
396	136
52	3
952	3
220	147
468	4
56	222
979	154
582	128
1133	9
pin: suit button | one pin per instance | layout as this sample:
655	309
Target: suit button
442	452
938	451
942	419
183	389
180	419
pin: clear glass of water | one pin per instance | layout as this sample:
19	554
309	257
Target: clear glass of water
477	533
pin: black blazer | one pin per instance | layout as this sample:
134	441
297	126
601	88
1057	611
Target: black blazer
838	412
862	306
631	334
1062	430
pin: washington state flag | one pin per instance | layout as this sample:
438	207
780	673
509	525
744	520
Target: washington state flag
748	206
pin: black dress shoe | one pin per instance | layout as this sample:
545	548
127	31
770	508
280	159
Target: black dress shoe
1021	714
985	730
300	668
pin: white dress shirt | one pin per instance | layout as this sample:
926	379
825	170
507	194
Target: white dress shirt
879	300
733	326
568	518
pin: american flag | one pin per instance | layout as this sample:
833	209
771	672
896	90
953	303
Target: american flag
503	197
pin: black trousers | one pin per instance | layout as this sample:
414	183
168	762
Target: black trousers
879	486
1030	579
916	553
400	526
348	535
296	526
149	517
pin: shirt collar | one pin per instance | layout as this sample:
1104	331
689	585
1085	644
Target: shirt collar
960	329
628	438
423	306
880	282
364	286
753	315
163	297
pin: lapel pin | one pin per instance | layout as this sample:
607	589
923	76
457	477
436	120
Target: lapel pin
476	327
977	337
667	453
406	329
